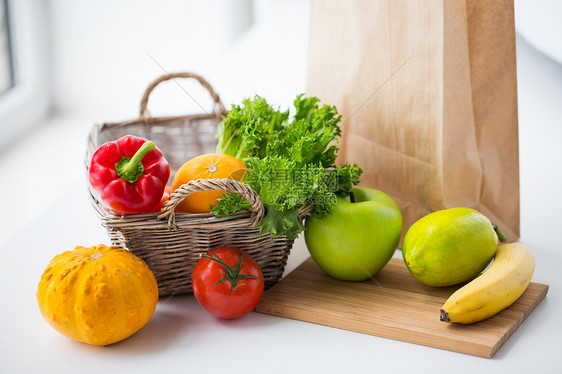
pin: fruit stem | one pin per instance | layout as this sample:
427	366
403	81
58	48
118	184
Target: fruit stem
444	316
500	234
232	273
131	168
351	196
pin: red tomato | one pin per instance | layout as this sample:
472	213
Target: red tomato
163	199
227	282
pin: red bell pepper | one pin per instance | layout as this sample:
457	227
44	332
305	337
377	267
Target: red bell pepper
165	197
128	176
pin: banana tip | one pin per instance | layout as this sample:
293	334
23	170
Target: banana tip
444	316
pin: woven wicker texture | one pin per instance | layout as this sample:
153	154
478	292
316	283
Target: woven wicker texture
170	243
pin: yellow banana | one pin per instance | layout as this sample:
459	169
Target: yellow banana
495	289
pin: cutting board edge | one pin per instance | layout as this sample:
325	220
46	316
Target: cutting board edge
295	313
537	301
478	349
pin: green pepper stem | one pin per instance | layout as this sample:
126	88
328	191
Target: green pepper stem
131	168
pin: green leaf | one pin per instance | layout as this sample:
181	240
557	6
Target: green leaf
290	163
246	130
230	202
281	222
347	176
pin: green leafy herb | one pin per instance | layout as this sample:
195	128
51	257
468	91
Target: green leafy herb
290	163
230	202
247	129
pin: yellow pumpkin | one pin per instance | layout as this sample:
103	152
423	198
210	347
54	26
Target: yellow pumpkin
98	295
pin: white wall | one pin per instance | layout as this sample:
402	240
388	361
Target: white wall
106	52
101	50
539	23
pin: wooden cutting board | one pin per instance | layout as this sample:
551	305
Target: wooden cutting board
392	305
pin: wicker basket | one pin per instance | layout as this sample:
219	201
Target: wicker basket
169	242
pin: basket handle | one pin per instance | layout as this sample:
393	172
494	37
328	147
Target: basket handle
218	109
200	185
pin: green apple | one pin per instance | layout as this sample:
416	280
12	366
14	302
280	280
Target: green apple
358	238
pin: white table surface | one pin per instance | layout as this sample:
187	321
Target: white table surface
182	337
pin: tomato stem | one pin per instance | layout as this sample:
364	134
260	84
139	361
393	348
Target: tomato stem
232	273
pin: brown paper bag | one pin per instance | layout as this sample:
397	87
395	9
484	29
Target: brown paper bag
427	90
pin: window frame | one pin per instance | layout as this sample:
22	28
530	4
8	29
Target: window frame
27	102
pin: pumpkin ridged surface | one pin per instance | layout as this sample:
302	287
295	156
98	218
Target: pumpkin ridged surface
98	295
